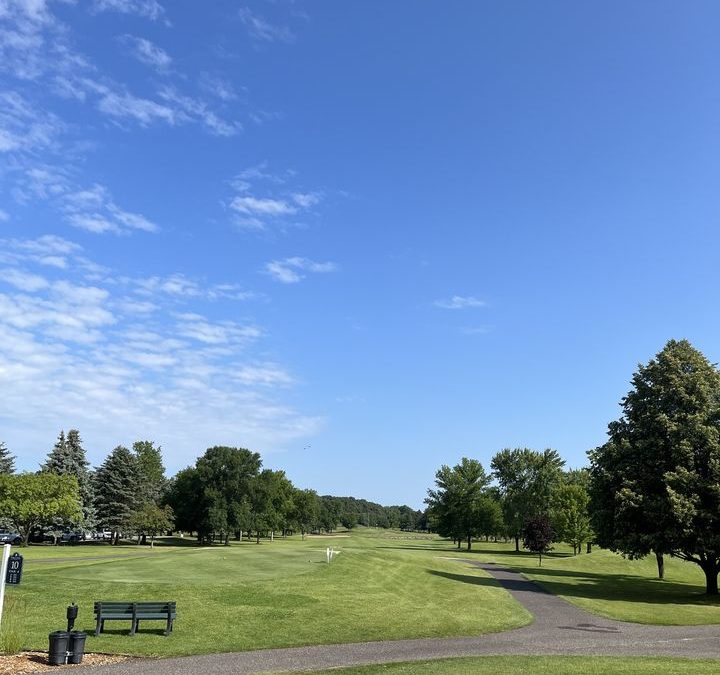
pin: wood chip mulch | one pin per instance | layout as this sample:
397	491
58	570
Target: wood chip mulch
37	662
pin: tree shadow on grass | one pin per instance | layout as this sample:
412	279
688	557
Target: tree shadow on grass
597	586
481	551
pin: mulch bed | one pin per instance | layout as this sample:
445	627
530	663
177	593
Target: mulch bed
37	662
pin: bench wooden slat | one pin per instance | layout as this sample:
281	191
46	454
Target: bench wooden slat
113	610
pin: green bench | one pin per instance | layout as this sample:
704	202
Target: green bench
135	612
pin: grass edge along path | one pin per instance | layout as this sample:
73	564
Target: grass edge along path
536	665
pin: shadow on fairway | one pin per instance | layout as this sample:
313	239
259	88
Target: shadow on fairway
510	584
609	587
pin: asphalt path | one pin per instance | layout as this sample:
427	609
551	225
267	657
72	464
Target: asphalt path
559	628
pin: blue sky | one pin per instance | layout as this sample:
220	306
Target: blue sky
362	238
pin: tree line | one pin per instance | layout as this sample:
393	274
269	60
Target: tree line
469	503
225	494
652	489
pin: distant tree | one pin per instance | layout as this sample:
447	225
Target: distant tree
655	485
328	518
306	510
185	496
151	472
349	520
538	535
116	492
7	461
458	501
526	479
487	517
32	500
569	515
67	458
151	520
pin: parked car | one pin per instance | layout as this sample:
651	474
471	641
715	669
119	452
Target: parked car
10	538
72	537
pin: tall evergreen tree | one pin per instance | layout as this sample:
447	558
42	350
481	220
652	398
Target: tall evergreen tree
7	461
67	458
151	472
116	494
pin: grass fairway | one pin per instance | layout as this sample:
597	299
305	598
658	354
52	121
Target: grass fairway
607	584
249	596
539	665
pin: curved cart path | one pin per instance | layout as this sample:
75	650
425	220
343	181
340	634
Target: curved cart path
559	628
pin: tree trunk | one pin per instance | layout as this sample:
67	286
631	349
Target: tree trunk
660	565
711	578
469	542
517	544
302	534
458	543
589	547
257	541
227	539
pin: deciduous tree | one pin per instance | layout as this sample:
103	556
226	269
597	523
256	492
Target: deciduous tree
31	500
655	484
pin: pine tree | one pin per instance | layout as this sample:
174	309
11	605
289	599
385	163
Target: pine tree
151	472
7	461
67	458
116	490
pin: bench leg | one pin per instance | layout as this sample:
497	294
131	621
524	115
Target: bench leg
168	627
98	626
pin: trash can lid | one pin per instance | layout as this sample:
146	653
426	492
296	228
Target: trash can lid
77	633
59	633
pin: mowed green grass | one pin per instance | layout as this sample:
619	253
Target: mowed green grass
249	596
539	665
607	584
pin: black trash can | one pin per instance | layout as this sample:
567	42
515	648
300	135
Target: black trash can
77	646
59	640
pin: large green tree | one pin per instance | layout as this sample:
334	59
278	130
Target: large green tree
67	458
116	490
7	461
655	485
31	500
212	498
458	502
526	479
306	510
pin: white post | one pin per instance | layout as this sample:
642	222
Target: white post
327	555
3	572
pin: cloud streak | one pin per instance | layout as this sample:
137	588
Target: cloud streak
290	270
460	302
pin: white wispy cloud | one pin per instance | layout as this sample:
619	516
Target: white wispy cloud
147	52
262	29
460	302
148	9
120	365
89	208
278	203
25	128
188	108
4	216
290	270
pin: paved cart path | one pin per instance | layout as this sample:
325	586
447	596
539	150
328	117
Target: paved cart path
559	628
